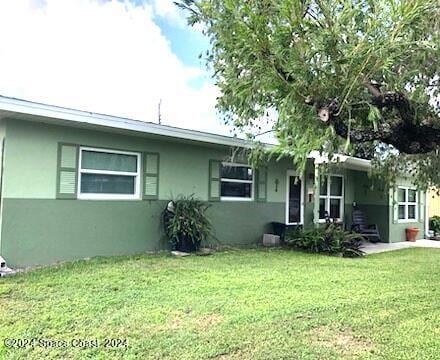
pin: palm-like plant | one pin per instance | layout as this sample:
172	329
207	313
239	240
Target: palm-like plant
186	223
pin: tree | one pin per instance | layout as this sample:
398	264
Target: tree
334	72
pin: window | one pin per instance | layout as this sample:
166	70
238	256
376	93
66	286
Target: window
236	182
407	204
108	174
331	197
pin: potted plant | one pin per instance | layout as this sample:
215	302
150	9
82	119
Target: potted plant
186	224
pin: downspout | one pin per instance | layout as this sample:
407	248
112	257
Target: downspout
316	196
2	149
427	214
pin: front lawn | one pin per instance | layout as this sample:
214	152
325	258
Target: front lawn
238	304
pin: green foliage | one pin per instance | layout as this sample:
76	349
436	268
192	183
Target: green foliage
269	57
330	239
421	169
434	224
189	220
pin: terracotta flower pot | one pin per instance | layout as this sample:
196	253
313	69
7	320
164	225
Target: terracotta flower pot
411	234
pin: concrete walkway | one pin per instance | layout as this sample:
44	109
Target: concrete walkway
370	248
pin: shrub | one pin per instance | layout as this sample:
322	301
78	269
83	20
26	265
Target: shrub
186	219
330	239
434	224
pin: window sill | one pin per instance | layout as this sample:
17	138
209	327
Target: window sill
407	221
236	199
338	221
100	198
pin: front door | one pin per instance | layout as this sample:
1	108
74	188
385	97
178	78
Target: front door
294	201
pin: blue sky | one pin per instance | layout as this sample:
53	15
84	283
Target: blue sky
117	57
186	43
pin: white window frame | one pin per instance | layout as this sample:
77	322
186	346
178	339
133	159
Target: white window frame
328	197
252	182
291	173
406	204
96	196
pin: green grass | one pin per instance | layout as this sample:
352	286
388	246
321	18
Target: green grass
238	304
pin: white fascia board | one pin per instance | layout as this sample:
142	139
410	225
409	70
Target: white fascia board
349	162
12	106
358	164
18	106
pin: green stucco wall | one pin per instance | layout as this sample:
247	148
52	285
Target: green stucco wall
398	229
372	198
40	229
376	200
44	231
2	140
37	228
32	159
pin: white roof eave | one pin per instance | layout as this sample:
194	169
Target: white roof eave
32	111
348	162
13	108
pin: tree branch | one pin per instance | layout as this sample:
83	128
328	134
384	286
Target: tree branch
403	132
398	100
408	139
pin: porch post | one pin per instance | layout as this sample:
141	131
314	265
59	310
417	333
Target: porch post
316	196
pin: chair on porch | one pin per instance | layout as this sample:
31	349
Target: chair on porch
360	225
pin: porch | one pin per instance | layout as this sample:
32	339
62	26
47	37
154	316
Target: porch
370	248
316	196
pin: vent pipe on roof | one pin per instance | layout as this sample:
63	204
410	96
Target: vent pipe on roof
159	115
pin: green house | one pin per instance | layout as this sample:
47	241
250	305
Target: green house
75	184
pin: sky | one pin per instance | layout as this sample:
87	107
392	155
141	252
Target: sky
114	57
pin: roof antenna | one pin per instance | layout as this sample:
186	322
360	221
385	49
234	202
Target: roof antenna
159	115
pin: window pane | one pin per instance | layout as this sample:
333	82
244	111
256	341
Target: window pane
233	189
236	172
95	160
322	208
107	184
412	195
401	195
401	211
323	186
294	200
411	211
336	186
335	208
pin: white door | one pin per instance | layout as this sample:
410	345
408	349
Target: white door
294	198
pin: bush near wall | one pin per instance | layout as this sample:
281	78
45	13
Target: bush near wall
331	240
434	224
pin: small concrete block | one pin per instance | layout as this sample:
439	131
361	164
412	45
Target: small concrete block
271	240
5	271
204	252
180	253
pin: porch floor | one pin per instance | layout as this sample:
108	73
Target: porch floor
371	248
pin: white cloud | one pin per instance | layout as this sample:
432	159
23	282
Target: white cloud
107	57
169	11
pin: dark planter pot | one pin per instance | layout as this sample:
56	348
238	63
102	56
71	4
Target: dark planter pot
279	229
186	244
